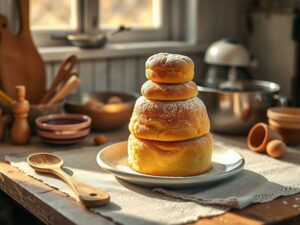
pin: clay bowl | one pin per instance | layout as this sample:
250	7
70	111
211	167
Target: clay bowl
104	116
286	121
36	111
63	128
41	110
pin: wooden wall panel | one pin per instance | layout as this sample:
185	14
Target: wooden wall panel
199	71
141	72
120	74
9	8
130	75
100	75
116	78
49	74
86	74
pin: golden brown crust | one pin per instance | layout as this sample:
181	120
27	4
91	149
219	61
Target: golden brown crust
169	120
169	68
182	158
169	92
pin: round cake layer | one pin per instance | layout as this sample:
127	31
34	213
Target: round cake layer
169	68
169	120
180	158
169	92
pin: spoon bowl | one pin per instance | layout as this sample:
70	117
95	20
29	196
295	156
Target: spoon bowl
42	161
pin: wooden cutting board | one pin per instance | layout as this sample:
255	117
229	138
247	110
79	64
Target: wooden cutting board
20	62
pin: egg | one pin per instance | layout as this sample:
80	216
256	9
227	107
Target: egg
114	100
94	104
100	139
276	149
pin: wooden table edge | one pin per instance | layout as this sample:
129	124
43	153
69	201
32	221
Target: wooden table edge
20	187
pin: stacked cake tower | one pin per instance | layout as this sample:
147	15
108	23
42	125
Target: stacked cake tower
169	125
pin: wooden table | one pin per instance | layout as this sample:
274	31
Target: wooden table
54	207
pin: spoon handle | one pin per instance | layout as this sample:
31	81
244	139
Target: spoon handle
88	195
72	83
64	72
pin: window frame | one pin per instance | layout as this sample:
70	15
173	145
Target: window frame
88	21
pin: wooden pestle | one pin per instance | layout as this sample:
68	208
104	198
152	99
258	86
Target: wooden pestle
20	132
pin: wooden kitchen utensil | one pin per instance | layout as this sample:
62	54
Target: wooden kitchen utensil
2	127
20	132
72	83
4	98
20	62
63	74
50	163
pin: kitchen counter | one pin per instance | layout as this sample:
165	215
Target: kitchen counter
54	207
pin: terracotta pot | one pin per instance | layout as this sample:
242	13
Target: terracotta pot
259	137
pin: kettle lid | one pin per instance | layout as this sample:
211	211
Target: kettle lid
227	52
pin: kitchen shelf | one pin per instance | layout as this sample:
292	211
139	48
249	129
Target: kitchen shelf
121	50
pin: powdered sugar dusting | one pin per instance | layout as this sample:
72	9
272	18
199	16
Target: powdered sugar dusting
167	60
202	140
169	107
167	88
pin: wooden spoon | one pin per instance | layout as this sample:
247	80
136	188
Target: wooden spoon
50	163
4	98
63	74
72	83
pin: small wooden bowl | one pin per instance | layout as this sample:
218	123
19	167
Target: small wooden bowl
286	121
63	128
288	114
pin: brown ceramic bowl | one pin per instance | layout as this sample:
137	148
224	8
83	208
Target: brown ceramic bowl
63	128
286	121
36	111
64	134
41	110
104	116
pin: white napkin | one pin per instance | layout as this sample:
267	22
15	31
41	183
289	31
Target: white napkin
262	180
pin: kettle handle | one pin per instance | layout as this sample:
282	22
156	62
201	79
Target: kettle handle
281	100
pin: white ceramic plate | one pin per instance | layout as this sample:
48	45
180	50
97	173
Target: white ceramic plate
226	163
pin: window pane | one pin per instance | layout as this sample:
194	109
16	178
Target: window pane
133	13
53	14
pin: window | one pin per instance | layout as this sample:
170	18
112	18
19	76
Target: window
135	13
46	15
147	18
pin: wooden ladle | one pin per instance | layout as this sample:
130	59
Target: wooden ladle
50	163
